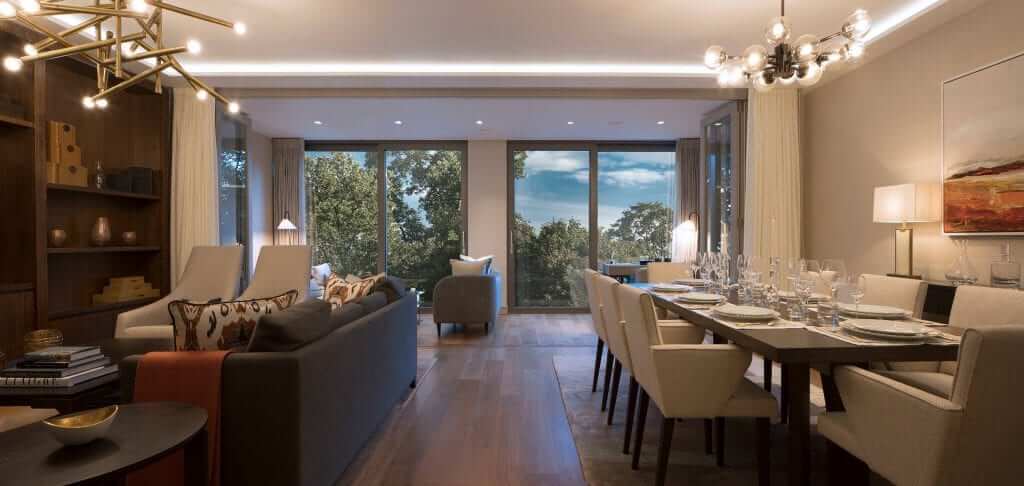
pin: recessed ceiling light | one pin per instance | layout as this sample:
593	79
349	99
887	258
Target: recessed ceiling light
479	122
661	122
570	123
398	122
318	122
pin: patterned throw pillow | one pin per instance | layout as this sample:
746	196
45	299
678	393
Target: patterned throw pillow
223	325
340	291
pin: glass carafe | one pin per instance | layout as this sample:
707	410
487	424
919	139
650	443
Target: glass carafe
1005	272
961	272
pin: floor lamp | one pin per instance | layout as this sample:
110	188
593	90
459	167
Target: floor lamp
287	228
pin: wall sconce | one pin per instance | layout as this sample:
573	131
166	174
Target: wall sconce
903	204
685	239
288	227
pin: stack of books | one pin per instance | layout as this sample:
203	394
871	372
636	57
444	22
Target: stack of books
57	367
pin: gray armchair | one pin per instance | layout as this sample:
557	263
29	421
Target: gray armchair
469	299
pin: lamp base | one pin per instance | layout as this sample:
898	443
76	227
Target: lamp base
904	254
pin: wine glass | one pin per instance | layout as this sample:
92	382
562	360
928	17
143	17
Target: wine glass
858	287
833	274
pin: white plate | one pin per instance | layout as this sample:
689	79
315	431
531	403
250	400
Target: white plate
662	287
790	295
867	310
745	312
693	282
892	328
700	298
882	337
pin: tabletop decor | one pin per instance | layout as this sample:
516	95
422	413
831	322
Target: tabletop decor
111	36
982	152
42	339
802	62
100	234
81	427
57	237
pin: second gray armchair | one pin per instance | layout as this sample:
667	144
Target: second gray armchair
467	299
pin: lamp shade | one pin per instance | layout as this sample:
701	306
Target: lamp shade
684	242
286	224
906	203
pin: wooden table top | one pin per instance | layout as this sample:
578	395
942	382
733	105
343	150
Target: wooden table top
806	346
140	433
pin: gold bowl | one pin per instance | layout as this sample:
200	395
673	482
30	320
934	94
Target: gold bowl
81	427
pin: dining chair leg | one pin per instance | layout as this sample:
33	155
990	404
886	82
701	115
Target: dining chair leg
768	375
641	422
720	441
708	449
616	378
784	400
630	413
664	447
438	329
607	378
597	363
764	466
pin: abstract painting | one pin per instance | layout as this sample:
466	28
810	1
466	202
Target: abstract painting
983	150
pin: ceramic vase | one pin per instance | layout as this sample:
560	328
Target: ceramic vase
100	234
129	238
58	237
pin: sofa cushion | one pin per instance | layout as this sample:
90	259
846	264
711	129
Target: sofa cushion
341	291
346	314
462	268
488	261
392	287
220	326
293	328
373	302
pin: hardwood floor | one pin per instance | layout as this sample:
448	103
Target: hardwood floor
490	410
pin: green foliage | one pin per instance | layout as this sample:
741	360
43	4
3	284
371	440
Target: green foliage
643	231
341	200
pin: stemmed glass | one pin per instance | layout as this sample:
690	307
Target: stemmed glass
803	287
858	287
833	274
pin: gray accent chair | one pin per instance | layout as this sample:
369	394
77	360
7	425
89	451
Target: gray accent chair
467	299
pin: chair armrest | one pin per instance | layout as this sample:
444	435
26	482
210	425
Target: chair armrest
910	435
680	332
469	299
697	380
154	314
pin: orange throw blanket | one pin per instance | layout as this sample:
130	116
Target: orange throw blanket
192	377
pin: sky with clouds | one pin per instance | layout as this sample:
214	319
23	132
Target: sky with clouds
557	184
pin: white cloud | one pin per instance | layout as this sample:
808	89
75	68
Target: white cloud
582	176
634	177
555	161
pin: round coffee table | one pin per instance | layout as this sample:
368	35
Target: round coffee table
142	433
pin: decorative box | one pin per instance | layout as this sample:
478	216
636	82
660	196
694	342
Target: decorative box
72	175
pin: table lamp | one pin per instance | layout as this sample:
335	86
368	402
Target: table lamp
903	204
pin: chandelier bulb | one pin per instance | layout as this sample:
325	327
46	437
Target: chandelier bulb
778	31
755	58
857	25
88	102
240	28
806	47
7	10
30	50
102	103
811	74
762	84
30	6
202	94
13	64
139	6
233	107
715	57
193	46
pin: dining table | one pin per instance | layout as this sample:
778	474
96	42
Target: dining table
800	347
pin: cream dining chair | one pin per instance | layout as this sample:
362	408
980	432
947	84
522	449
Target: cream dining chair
666	272
675	332
212	272
973	308
916	438
904	293
690	381
598	325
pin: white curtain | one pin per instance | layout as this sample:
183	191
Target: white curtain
193	178
772	194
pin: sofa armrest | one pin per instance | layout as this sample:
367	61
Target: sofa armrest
471	299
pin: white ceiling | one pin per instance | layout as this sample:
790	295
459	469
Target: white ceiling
454	118
309	42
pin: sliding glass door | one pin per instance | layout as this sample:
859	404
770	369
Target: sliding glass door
722	178
573	205
232	185
405	217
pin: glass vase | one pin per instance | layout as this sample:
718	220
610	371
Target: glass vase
961	271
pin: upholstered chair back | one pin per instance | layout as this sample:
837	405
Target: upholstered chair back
280	269
988	387
905	293
666	272
611	314
641	333
211	270
594	302
980	307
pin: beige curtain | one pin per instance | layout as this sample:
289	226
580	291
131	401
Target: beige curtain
193	178
688	162
772	195
289	181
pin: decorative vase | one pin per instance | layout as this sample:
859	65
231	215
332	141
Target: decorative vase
129	238
961	272
58	237
101	231
1005	272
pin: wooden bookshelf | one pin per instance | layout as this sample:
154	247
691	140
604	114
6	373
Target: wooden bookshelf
95	309
102	249
15	122
102	192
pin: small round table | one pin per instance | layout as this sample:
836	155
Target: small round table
142	433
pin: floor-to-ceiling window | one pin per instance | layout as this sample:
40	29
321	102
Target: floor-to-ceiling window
232	183
722	173
570	198
405	217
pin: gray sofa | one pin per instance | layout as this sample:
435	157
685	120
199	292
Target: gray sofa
467	299
300	417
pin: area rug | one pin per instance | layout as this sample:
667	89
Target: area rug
600	445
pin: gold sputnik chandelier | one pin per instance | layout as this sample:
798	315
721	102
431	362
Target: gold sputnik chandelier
123	31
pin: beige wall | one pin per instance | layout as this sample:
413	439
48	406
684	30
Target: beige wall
880	125
488	203
261	223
